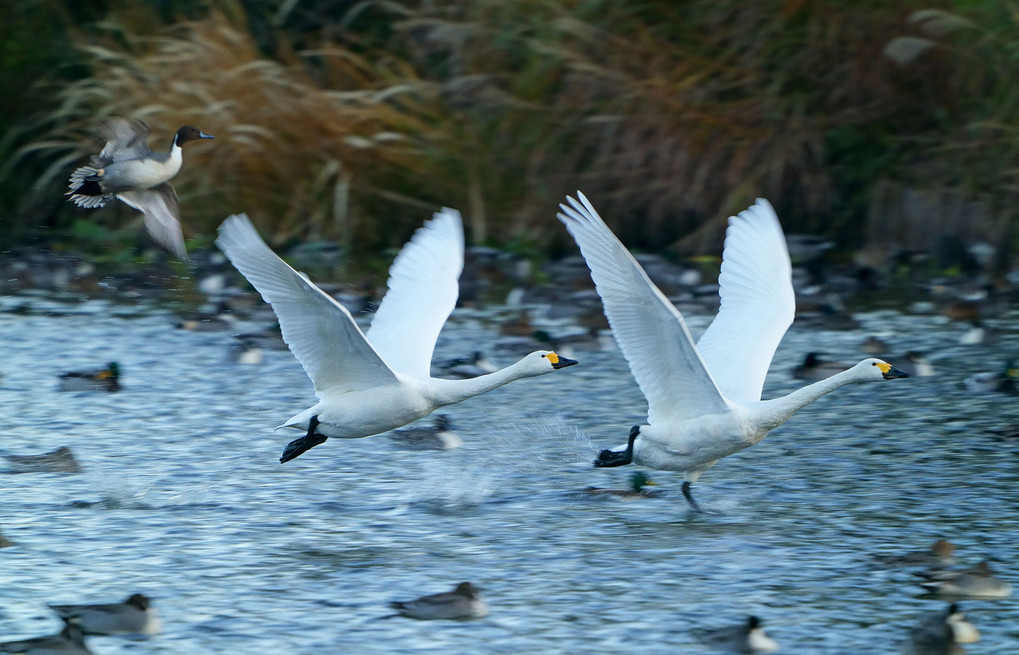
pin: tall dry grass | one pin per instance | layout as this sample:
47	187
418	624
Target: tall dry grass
349	121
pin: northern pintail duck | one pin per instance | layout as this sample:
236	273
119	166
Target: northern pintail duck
134	616
464	602
60	460
438	436
975	582
70	641
127	168
638	481
106	379
941	634
748	637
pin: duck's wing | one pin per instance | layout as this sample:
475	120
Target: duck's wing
423	288
758	304
320	331
125	139
650	331
161	209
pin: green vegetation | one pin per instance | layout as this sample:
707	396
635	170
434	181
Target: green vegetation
350	121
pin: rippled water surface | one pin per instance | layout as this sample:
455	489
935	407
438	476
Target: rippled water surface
182	498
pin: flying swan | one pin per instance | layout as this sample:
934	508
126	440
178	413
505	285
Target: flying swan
370	383
704	400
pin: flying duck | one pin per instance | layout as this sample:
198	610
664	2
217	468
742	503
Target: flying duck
128	169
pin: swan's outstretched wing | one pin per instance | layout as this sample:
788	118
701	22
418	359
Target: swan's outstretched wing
423	288
650	331
758	304
161	209
320	331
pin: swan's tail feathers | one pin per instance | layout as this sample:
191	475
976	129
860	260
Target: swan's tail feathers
85	190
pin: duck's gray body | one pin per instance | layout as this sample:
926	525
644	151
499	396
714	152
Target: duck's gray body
128	169
69	642
134	616
464	602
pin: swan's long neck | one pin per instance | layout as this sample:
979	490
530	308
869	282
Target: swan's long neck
777	411
448	392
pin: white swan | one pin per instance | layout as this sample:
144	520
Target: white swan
368	384
704	400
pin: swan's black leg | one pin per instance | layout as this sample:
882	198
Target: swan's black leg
305	443
608	458
689	498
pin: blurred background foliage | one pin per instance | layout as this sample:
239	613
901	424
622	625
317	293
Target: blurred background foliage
876	123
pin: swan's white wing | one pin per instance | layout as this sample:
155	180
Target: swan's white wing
758	304
320	331
161	209
650	331
423	288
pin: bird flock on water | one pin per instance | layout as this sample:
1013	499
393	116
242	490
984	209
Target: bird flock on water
704	396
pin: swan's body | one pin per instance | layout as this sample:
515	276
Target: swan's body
704	400
371	383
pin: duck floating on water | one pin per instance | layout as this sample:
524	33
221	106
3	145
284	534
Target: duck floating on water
106	379
127	169
134	616
978	581
638	483
70	641
464	602
439	436
942	634
60	460
748	638
704	399
369	383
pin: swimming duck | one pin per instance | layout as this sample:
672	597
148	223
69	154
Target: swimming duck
371	383
638	481
704	400
815	367
975	582
939	555
5	542
942	634
60	460
1001	381
469	367
747	637
70	641
106	379
134	616
916	364
464	602
438	437
127	169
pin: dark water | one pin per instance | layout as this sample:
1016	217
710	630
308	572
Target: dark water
182	498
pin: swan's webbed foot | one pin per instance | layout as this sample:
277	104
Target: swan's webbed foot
689	498
300	446
609	458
